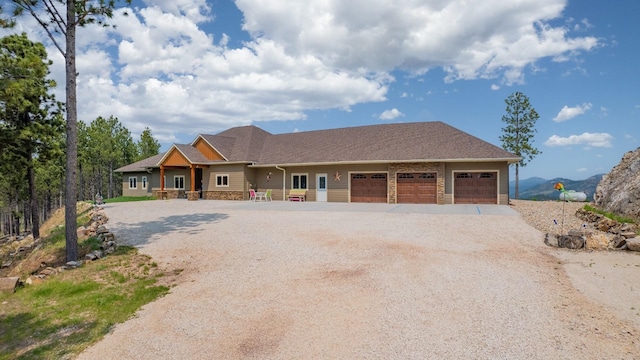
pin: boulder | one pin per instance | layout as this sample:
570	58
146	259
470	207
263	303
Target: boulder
633	244
9	283
619	190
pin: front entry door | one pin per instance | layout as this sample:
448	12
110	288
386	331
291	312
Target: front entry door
321	187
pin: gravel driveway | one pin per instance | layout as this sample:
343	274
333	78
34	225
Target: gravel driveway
264	281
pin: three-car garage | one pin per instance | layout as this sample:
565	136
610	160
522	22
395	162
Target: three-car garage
479	187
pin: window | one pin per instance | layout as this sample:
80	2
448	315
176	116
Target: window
486	176
464	176
178	182
222	180
133	182
144	182
299	181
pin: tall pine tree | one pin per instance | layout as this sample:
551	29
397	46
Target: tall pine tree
518	134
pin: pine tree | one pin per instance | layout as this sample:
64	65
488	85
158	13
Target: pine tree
518	135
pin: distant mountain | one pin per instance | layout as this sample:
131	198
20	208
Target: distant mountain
540	189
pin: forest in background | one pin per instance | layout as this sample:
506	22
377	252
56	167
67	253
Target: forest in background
32	143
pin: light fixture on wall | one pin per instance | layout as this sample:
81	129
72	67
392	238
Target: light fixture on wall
269	176
337	176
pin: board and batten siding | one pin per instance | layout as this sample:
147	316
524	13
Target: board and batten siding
206	150
502	168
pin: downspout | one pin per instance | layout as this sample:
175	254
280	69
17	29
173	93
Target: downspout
284	182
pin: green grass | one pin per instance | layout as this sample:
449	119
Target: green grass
72	310
67	312
129	199
610	215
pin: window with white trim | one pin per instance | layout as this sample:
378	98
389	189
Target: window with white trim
133	182
144	182
299	181
222	180
178	182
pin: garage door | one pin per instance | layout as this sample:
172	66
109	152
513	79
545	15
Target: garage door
417	188
475	188
369	188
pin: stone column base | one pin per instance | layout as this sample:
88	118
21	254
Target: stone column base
161	195
193	195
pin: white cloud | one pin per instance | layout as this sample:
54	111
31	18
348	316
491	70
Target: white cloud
583	169
390	114
488	39
568	113
495	87
158	66
589	139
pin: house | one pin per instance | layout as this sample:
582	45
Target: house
422	162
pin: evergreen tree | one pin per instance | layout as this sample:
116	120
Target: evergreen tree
518	135
78	13
147	145
28	112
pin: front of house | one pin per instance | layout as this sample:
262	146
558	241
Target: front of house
424	163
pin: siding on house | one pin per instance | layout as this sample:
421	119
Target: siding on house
139	191
254	158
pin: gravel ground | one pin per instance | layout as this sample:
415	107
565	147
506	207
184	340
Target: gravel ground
357	285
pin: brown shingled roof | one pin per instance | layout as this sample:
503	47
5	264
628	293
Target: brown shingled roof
142	165
420	141
243	143
434	141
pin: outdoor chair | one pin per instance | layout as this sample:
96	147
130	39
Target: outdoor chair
252	195
267	195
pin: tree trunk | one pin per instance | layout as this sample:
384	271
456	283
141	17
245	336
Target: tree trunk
83	193
110	179
35	214
71	223
517	181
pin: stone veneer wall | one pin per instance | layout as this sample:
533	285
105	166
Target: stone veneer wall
438	168
171	194
223	195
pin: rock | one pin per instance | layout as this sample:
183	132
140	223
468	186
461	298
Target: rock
81	232
619	190
633	244
565	241
48	271
94	255
33	280
7	263
102	230
9	283
618	242
74	264
605	224
597	241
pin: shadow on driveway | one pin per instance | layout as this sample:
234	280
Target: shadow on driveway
140	233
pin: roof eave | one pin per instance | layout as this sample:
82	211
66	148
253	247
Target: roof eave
508	160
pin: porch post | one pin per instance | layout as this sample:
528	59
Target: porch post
193	194
193	177
161	177
162	194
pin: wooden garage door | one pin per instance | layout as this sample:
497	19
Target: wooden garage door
369	188
476	188
417	188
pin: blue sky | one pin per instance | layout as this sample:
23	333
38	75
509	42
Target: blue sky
185	67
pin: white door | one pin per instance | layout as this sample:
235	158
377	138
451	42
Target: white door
321	187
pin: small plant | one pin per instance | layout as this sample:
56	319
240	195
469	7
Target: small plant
609	215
